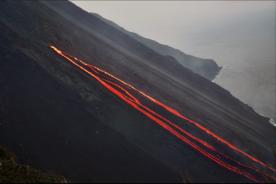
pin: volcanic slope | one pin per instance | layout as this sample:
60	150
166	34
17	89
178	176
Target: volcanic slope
56	117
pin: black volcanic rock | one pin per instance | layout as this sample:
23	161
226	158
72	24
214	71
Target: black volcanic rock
55	117
207	68
12	172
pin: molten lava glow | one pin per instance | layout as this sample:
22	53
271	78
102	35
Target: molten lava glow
120	89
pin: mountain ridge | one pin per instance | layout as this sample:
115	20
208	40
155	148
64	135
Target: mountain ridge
204	67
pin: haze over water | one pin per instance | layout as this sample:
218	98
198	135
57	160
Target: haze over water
238	35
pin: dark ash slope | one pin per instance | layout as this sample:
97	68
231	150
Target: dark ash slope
57	118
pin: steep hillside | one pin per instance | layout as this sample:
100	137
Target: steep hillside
207	68
57	117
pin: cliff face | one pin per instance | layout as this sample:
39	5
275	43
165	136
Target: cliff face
207	68
56	117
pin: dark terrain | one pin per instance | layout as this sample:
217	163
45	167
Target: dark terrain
12	172
57	118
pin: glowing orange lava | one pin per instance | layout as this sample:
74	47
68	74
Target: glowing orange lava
120	89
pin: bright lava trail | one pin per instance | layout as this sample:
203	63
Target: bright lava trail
129	94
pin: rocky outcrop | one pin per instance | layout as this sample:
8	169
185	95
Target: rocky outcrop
12	172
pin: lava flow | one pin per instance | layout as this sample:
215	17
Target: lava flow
123	90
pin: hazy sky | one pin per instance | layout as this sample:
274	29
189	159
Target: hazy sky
238	35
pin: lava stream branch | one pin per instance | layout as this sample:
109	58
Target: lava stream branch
162	121
196	139
178	114
200	141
